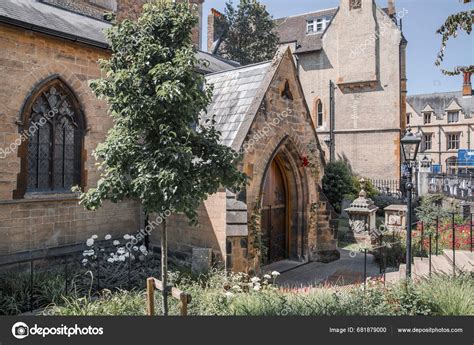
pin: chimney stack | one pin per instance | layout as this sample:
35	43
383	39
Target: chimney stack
215	30
391	8
467	86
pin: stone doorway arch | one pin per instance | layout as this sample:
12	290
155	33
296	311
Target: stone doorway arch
284	209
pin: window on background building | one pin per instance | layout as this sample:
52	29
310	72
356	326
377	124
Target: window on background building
54	147
319	113
427	118
408	118
453	141
427	141
451	164
355	4
317	25
453	116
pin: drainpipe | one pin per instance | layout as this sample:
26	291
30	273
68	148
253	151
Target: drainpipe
332	150
468	137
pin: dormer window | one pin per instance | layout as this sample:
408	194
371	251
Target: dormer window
453	116
427	118
317	25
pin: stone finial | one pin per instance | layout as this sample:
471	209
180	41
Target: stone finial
362	193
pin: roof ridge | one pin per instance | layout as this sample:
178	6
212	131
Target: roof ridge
306	13
435	93
239	68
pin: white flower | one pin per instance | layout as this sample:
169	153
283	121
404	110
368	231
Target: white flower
256	287
121	258
126	237
121	250
90	242
85	261
255	280
275	274
116	243
108	237
229	294
135	248
94	237
143	249
236	288
267	276
111	260
89	252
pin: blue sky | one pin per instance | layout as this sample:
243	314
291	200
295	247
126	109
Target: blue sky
420	23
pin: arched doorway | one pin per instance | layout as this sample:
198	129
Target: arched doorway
275	211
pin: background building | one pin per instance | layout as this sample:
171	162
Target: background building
351	62
446	123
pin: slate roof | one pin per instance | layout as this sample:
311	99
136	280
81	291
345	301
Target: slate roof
38	16
440	101
51	20
236	93
293	28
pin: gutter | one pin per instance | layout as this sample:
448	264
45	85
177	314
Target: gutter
52	32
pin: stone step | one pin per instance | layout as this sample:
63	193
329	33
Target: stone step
421	268
392	277
402	271
441	264
463	262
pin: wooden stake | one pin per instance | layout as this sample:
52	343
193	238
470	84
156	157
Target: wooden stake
150	296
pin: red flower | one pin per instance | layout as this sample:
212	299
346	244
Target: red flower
304	162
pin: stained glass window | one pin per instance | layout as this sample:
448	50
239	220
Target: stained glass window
54	141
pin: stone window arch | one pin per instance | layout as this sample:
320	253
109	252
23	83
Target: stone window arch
318	112
52	140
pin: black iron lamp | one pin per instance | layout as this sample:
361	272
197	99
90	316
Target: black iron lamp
410	144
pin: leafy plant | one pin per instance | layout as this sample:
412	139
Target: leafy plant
455	23
337	182
160	151
249	35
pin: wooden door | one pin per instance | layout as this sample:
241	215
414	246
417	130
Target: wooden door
274	215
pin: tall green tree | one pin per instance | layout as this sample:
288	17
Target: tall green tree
158	152
454	24
249	36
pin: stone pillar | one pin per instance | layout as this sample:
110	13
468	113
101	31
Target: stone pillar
362	217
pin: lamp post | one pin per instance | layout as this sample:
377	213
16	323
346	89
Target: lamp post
410	144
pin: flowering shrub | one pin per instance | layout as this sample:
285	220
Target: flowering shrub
112	253
243	283
445	232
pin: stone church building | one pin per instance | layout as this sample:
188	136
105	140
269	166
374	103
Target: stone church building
50	122
351	63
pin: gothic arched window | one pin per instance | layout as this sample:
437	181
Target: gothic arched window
54	134
318	109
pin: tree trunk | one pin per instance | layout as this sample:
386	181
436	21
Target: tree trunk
164	267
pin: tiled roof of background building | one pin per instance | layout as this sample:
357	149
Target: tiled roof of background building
293	28
440	101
